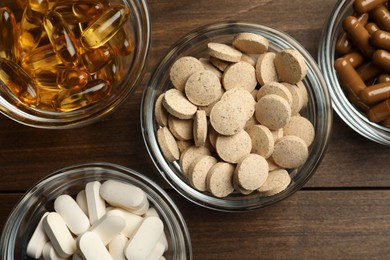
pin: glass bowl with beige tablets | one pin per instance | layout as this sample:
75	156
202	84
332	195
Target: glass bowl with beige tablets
236	116
95	211
69	63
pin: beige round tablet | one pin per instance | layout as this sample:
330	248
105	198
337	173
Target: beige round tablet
251	171
277	181
249	59
273	111
189	155
178	105
232	148
197	172
290	152
219	181
251	43
272	165
240	75
297	99
200	128
275	88
251	121
181	128
167	144
290	66
238	188
242	99
227	119
224	52
183	145
277	134
219	64
262	140
160	113
208	108
212	136
207	65
265	68
182	69
203	88
301	127
303	91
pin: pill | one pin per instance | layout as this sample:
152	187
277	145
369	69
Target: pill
349	77
262	140
296	97
232	148
265	68
381	39
381	16
275	88
249	59
290	66
240	75
8	37
123	195
37	240
277	134
91	247
182	69
59	234
380	111
251	171
145	239
355	58
72	214
133	221
375	93
343	45
160	113
168	144
81	200
219	64
371	28
301	127
364	6
77	256
156	252
358	103
122	42
358	35
381	58
272	165
277	181
238	188
219	181
182	129
207	65
200	128
223	52
242	99
183	145
384	77
116	247
197	172
108	227
386	122
368	71
96	204
273	111
303	93
176	103
290	152
203	88
153	212
30	29
190	155
250	43
48	253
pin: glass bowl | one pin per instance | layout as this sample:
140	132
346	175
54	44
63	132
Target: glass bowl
318	111
39	199
132	67
351	115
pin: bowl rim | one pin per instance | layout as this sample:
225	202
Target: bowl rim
147	123
354	118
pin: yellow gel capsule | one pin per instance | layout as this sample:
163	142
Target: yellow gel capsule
15	80
105	27
123	42
96	59
39	6
68	78
41	58
22	3
46	97
61	37
112	72
8	35
76	98
30	30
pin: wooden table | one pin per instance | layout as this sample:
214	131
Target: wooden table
343	212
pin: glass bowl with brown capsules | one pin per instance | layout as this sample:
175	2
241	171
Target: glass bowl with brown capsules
206	129
354	57
65	64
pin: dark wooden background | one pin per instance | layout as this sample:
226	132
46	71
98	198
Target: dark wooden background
343	212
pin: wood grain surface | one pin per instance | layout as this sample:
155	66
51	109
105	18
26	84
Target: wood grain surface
343	212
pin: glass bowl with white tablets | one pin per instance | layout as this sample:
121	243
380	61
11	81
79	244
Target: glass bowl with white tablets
70	63
236	116
95	211
354	57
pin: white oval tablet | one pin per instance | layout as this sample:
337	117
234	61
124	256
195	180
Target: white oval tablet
92	248
116	247
133	221
108	227
37	240
95	203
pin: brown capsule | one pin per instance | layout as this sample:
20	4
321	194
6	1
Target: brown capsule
381	17
343	45
384	77
355	58
381	58
8	35
379	112
381	39
349	77
371	28
358	34
358	103
386	122
376	93
368	71
363	19
364	6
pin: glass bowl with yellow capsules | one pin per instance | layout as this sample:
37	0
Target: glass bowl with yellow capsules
67	63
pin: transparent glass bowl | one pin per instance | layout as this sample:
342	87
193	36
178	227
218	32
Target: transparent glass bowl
351	115
318	111
133	64
23	219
